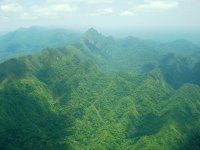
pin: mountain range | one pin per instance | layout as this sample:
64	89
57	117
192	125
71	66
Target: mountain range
89	91
28	40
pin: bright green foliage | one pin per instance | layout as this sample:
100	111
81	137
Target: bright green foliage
28	120
91	96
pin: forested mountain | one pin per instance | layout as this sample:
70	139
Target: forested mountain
181	46
28	40
101	93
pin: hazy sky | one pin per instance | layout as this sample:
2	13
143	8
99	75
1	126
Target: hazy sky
99	13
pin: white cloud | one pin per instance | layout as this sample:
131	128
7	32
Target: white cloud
26	16
150	6
82	1
53	9
11	8
94	1
106	10
156	5
101	12
127	13
98	1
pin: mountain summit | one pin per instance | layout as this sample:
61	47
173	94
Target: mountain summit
92	31
92	34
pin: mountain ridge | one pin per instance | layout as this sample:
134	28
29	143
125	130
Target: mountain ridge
106	94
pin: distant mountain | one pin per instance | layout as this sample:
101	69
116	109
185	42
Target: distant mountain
121	53
98	42
28	40
180	46
100	92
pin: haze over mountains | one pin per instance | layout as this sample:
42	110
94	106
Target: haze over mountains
90	91
28	40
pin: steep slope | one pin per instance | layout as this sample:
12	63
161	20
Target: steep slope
176	124
83	97
29	95
178	70
28	120
122	54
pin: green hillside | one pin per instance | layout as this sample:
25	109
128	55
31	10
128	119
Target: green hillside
101	93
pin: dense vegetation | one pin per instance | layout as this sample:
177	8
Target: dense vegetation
102	93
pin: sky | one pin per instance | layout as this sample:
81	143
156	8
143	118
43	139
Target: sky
110	14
